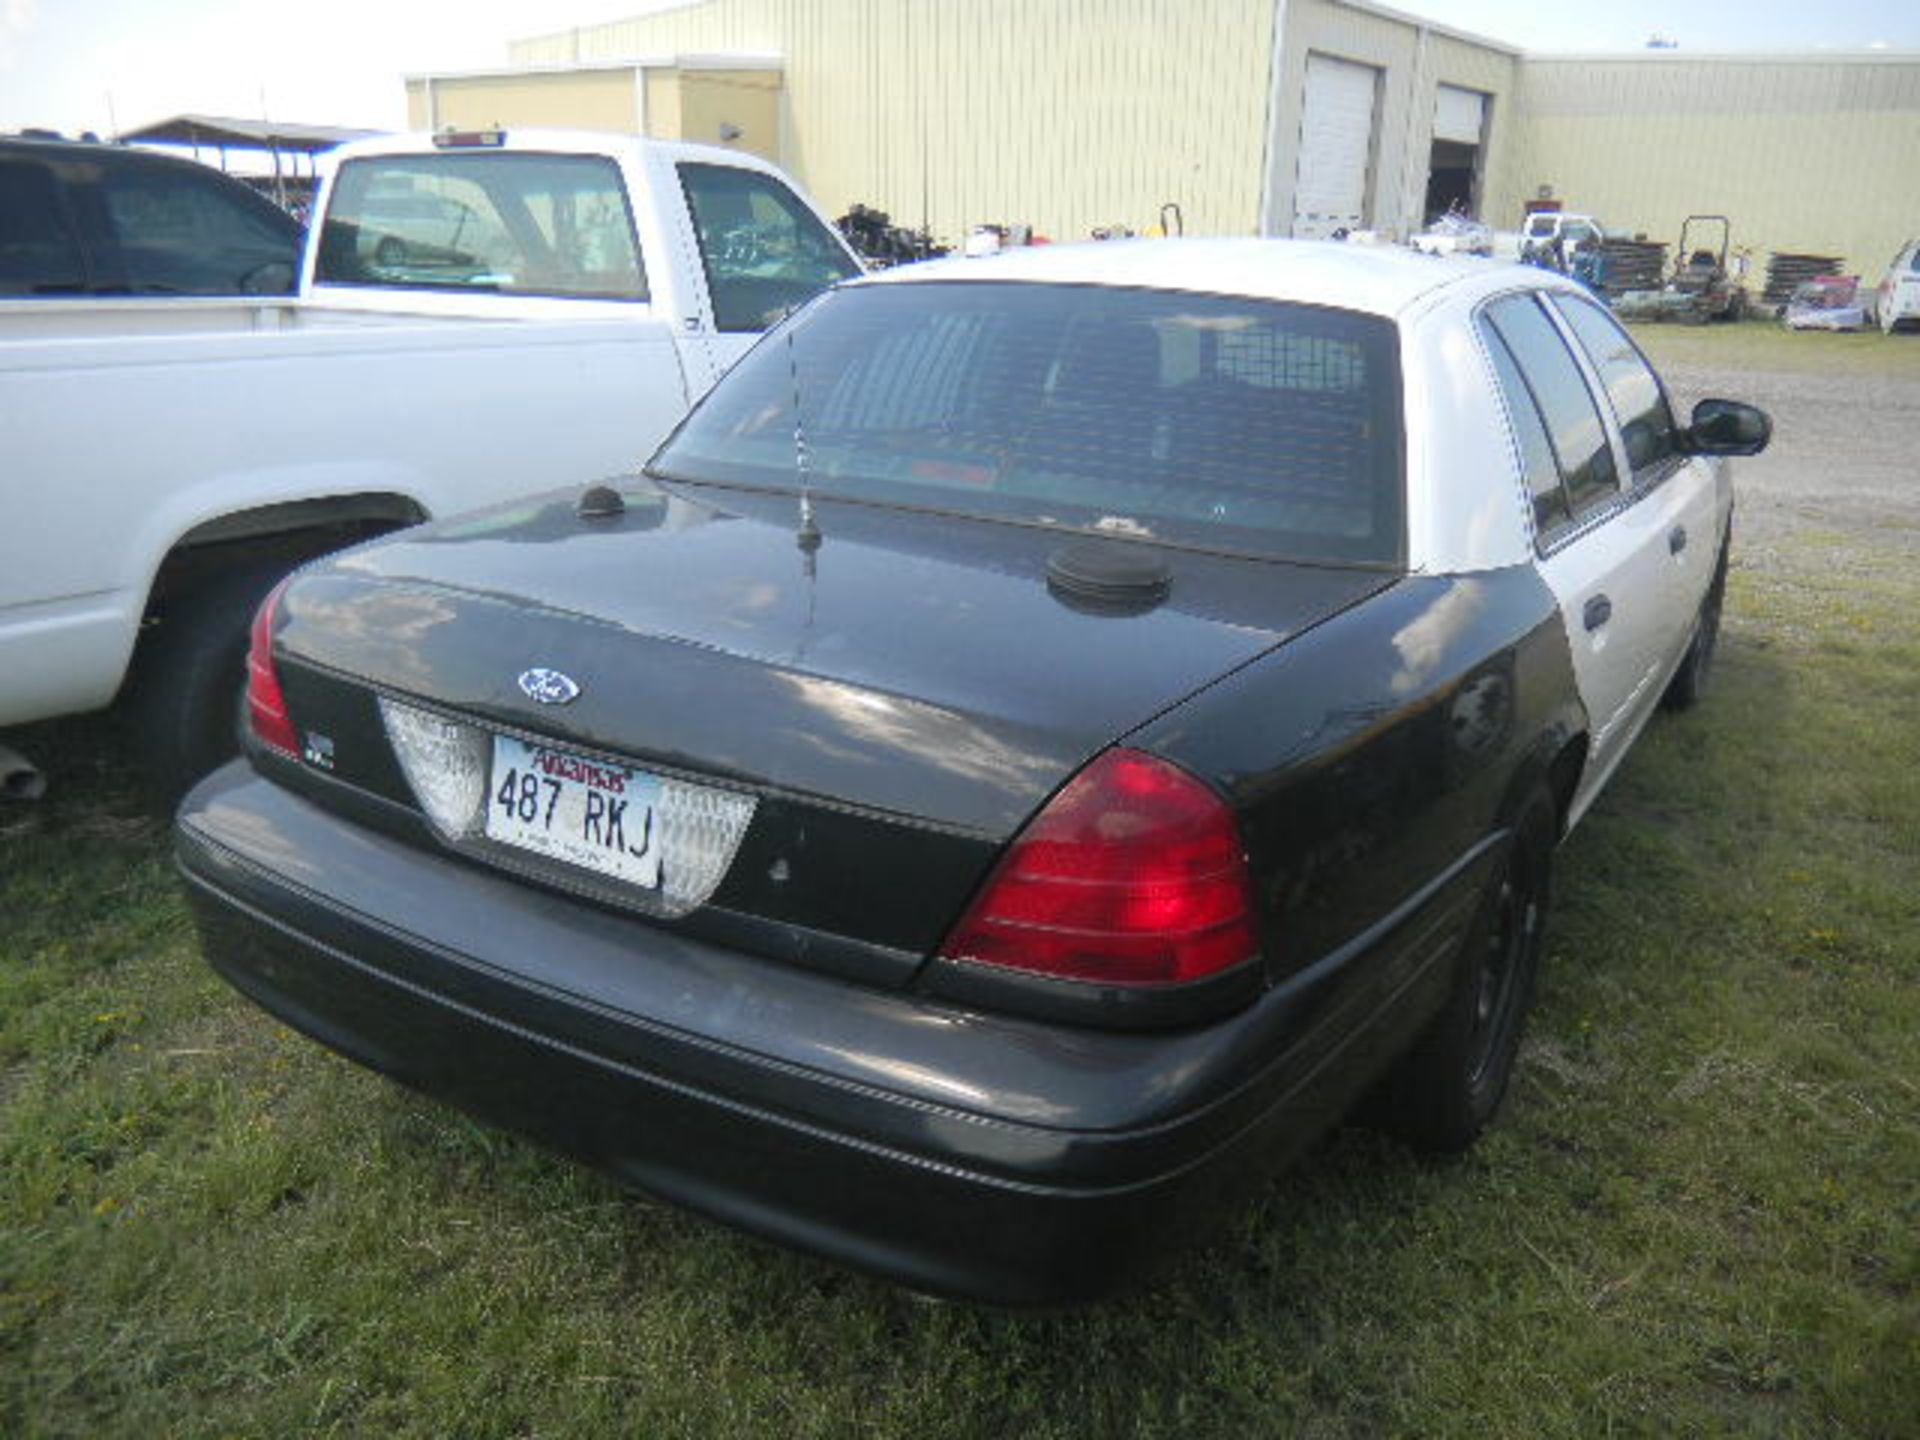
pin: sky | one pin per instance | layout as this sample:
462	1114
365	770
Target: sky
105	65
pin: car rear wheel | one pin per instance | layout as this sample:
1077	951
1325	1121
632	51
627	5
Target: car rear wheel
1442	1094
1689	682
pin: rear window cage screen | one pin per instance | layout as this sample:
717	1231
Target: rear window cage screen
1220	422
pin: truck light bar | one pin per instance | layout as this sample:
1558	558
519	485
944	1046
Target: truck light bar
452	139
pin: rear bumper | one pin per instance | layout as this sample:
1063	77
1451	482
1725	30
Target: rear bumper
952	1151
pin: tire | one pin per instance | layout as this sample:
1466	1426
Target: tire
1444	1091
1689	682
182	707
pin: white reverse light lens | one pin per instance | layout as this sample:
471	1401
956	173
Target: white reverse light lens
700	829
446	764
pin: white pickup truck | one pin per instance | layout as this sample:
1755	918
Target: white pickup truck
478	316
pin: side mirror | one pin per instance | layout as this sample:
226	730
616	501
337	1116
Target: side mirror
1727	427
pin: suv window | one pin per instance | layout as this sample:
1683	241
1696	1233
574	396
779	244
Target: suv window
517	223
1229	423
182	233
38	253
764	251
1639	404
1574	426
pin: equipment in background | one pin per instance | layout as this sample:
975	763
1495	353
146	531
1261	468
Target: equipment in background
1700	288
1826	302
880	243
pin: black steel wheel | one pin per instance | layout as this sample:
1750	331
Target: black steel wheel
1443	1093
1689	682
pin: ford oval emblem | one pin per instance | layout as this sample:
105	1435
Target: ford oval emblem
549	687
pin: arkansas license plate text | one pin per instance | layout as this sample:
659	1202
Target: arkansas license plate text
571	808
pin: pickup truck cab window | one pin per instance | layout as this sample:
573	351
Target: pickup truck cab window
1574	426
1639	404
532	224
764	251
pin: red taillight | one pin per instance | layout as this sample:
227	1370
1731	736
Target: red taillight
1132	875
266	704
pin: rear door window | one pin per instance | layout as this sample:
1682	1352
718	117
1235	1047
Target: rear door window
39	254
517	223
1574	425
1551	509
187	234
1639	404
765	252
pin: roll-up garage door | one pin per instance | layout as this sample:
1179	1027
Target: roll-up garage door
1458	115
1336	147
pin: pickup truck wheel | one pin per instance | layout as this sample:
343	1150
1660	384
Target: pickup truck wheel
188	677
1442	1093
1689	682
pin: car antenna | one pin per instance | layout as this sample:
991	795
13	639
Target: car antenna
808	536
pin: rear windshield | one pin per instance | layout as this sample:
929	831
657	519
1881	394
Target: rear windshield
516	222
1223	423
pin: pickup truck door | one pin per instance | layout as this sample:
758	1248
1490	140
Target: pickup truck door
759	250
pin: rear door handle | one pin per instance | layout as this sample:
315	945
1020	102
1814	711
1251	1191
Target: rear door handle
1677	540
1599	611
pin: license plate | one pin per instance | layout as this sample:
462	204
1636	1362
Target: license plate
568	807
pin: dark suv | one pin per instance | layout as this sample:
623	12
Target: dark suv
90	219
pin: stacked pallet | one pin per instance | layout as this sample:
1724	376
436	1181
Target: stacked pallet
1785	273
1634	265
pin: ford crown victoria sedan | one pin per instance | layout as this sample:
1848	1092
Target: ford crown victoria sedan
1039	742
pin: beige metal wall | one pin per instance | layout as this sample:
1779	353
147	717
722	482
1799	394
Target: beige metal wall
740	108
589	99
1415	59
1818	155
1065	114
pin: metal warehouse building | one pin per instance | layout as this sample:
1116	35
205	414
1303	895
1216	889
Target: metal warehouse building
1276	116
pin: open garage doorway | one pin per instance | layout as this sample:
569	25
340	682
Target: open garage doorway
1457	162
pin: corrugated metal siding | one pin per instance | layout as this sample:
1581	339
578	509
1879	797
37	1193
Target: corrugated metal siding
1801	155
1066	114
1414	67
712	102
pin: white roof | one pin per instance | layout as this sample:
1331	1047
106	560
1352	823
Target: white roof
548	140
1372	279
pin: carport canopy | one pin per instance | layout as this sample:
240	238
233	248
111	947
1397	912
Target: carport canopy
277	138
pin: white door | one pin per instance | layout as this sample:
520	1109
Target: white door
1459	115
1604	542
1336	147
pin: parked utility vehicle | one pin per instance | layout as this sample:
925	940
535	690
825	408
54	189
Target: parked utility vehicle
168	460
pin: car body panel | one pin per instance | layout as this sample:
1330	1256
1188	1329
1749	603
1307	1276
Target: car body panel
973	1154
956	687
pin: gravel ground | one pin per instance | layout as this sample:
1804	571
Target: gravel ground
1845	457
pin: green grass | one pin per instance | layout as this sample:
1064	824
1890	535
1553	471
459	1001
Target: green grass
1768	345
1700	1214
